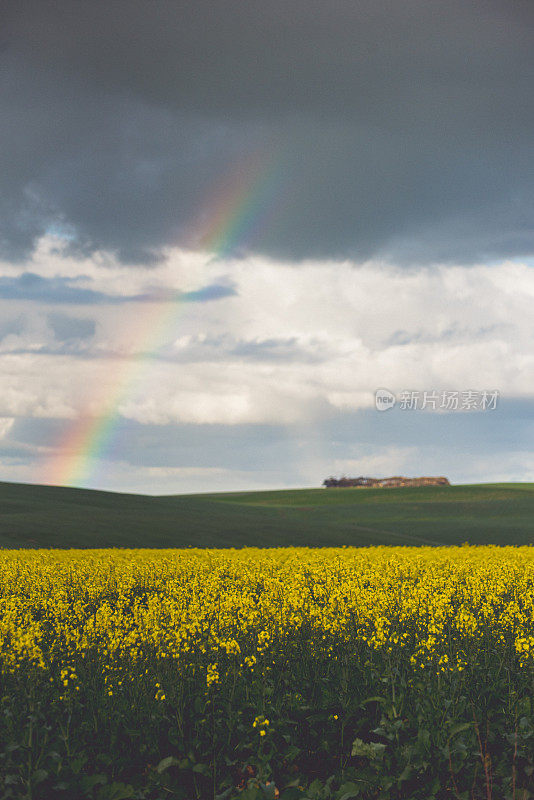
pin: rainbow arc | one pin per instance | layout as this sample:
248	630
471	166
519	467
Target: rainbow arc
237	212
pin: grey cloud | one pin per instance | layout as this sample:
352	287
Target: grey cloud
60	290
10	327
402	338
467	446
225	347
30	286
172	445
214	291
71	336
12	454
281	349
67	328
398	130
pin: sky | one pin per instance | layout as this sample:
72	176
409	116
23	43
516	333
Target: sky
225	226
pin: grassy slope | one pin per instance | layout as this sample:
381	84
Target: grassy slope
41	516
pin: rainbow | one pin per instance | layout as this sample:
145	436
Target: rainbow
237	211
242	206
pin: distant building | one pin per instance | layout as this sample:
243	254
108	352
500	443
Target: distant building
384	483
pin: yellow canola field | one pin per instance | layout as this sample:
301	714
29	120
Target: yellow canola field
221	611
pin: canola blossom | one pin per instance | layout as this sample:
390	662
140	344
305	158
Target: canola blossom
375	672
217	611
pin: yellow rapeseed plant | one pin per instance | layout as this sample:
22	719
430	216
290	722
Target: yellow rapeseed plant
218	612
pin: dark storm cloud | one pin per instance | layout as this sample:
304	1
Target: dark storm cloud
59	290
393	129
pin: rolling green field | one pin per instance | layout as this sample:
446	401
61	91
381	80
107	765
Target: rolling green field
45	516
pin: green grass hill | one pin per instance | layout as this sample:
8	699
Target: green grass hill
48	516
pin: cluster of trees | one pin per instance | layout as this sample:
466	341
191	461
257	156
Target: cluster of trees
385	483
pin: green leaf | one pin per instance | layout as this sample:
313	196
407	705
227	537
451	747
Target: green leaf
251	793
348	790
117	791
292	793
371	750
39	776
377	699
315	788
88	782
458	728
423	737
405	774
224	795
77	764
292	752
165	763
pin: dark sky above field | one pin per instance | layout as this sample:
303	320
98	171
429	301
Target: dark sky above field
233	222
403	129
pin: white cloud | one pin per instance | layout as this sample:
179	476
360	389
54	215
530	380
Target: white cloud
378	461
6	423
121	476
509	467
294	342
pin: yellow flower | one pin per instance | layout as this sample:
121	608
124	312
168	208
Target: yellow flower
212	675
108	616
